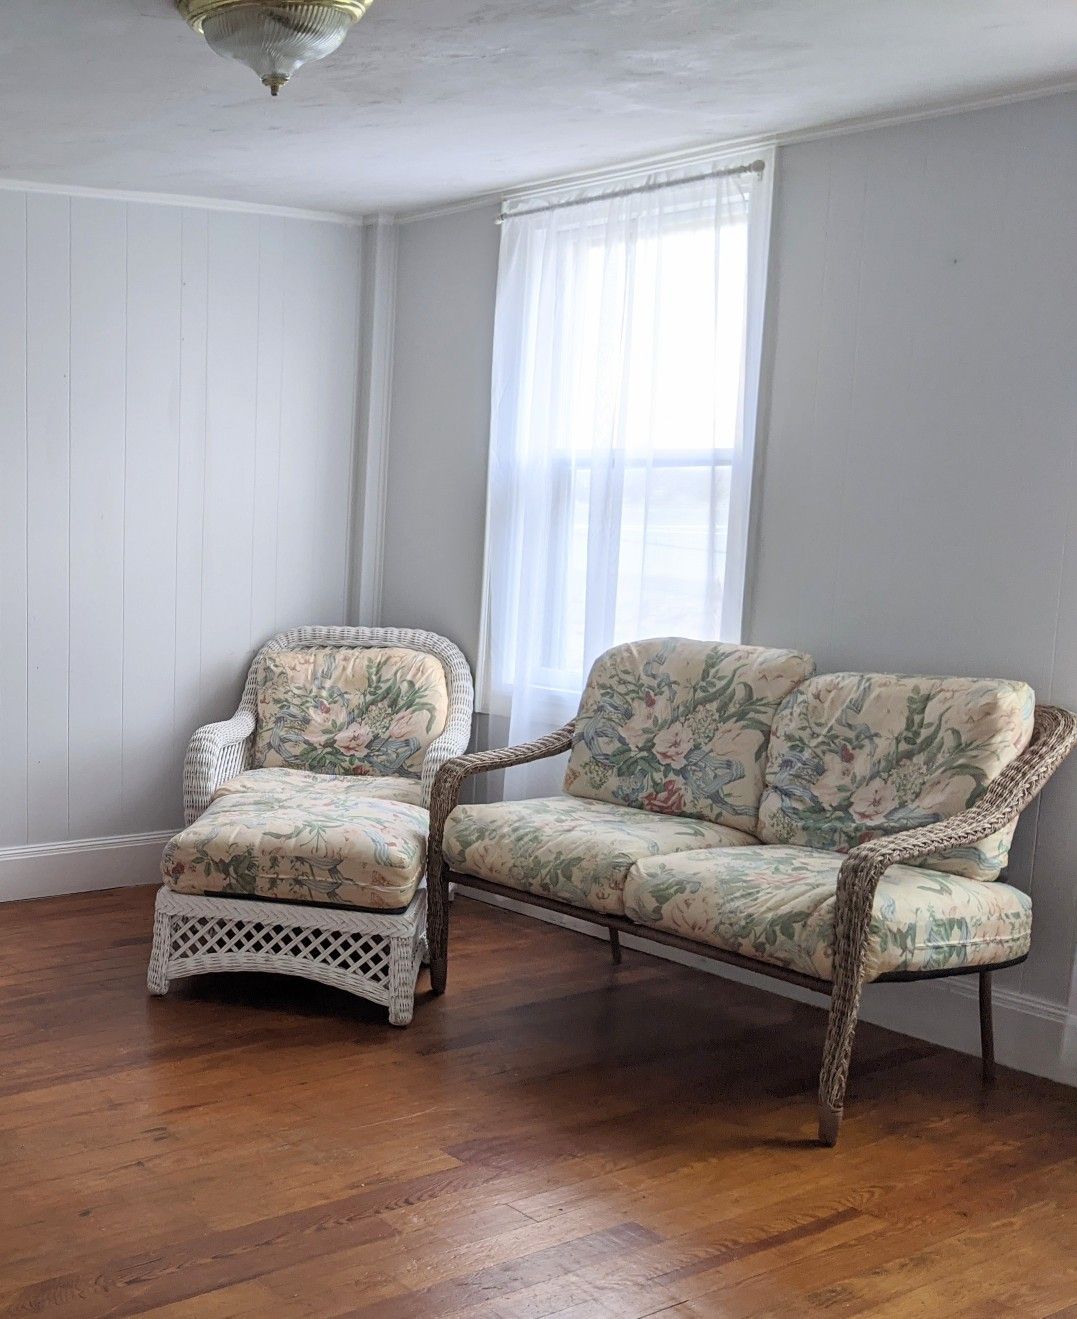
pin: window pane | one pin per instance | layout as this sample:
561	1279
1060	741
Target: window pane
670	561
672	552
680	394
621	432
686	350
563	612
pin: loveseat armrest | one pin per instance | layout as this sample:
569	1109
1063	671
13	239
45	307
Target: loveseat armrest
443	798
216	752
1054	734
445	793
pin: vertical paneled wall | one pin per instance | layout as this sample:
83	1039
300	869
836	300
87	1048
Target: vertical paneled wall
177	426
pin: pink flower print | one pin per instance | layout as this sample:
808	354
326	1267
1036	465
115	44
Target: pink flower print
402	727
670	801
672	745
873	800
353	740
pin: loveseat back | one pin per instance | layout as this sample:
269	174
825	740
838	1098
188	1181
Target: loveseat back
856	756
681	727
349	709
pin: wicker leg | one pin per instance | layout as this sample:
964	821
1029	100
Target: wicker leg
615	946
437	930
157	972
401	980
840	1029
987	1030
852	925
838	1049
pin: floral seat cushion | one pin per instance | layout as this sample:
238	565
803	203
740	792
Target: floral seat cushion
350	710
376	787
776	905
302	837
681	727
855	756
569	848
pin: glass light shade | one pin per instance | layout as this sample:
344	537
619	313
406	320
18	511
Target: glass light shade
274	40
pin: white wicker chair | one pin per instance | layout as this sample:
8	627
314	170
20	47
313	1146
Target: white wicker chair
376	955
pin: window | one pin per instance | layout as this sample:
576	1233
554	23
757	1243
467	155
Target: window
623	413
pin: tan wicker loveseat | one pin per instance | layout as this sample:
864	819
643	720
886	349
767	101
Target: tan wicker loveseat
306	814
827	830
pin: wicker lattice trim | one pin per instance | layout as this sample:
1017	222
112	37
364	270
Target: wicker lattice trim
371	954
220	751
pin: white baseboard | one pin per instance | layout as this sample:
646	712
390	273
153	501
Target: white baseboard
1030	1032
43	870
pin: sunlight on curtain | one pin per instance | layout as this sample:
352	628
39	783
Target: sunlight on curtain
626	361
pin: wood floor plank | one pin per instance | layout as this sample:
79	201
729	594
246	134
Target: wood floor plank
554	1137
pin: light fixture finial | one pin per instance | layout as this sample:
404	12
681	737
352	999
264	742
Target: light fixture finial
273	37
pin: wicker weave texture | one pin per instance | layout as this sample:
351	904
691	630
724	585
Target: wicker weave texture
1053	738
445	795
370	954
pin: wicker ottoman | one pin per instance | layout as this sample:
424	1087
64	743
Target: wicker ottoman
316	875
375	955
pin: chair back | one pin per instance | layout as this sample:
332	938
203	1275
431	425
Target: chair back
857	756
364	701
681	727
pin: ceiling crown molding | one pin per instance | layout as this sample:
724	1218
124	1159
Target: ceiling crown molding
179	199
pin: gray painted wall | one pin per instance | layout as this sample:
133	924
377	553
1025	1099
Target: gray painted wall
917	477
439	431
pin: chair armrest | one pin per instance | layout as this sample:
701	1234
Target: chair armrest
1054	735
453	739
450	777
217	752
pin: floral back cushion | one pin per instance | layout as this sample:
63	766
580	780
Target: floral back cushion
681	727
856	756
344	710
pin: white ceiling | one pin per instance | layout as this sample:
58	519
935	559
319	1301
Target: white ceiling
432	100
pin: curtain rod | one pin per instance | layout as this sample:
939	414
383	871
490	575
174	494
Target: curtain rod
756	167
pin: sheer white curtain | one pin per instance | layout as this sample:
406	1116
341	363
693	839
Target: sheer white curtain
626	363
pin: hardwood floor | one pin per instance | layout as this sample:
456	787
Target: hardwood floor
556	1136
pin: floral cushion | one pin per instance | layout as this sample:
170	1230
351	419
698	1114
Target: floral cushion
776	904
350	710
855	756
569	848
382	787
681	727
303	837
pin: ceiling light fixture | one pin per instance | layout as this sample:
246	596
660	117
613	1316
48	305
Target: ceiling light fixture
273	37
